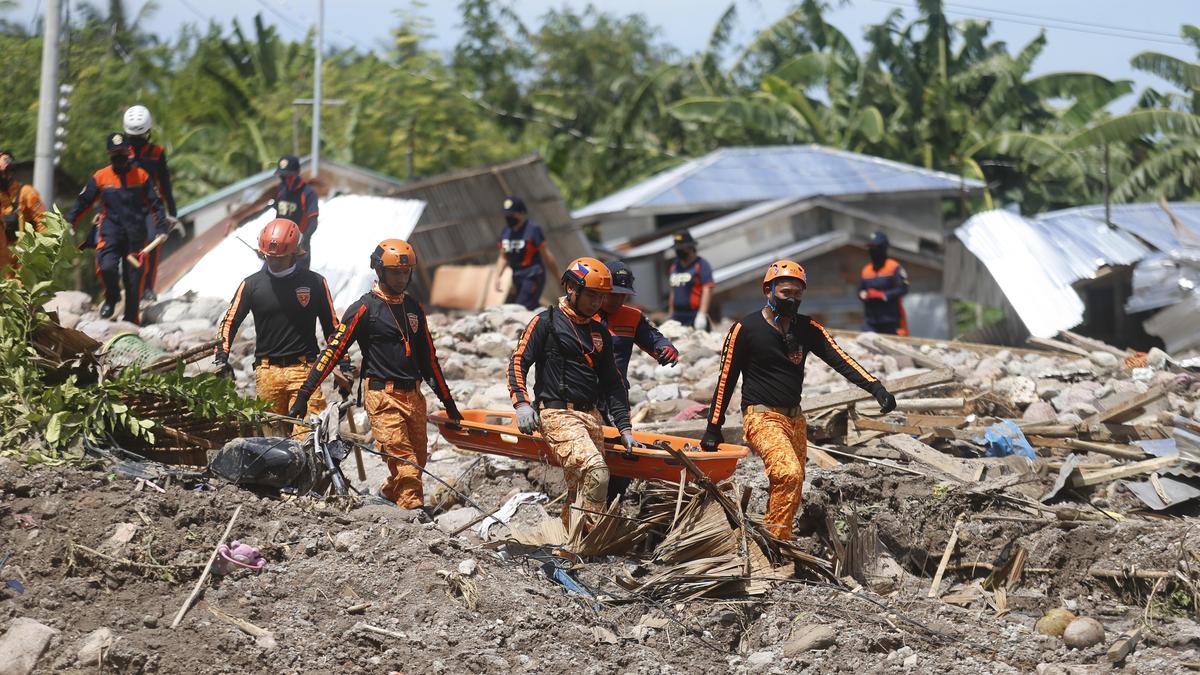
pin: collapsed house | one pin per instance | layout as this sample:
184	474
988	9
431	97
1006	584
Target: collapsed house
1126	278
749	206
453	219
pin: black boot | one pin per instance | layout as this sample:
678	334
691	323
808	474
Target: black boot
106	310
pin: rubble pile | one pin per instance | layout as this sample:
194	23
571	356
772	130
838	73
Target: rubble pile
1022	510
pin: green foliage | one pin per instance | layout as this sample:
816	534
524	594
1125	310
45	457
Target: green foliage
606	102
45	422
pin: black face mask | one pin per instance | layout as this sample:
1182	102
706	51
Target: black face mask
879	255
512	220
138	141
5	179
786	307
119	161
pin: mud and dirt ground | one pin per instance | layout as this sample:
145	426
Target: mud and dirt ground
325	560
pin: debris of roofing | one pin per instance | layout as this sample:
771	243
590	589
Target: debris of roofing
732	176
350	227
1036	261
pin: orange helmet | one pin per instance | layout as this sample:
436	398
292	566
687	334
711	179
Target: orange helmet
785	269
393	253
280	237
589	273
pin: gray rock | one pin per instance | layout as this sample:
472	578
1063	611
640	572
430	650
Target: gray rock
1039	412
1105	360
1018	390
636	394
809	637
22	646
346	541
493	345
467	567
1069	419
456	519
760	661
93	645
664	392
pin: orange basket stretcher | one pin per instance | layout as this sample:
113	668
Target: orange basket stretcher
495	432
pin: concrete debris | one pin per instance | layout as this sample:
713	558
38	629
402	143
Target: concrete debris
22	645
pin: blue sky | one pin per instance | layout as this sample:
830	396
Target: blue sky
1093	35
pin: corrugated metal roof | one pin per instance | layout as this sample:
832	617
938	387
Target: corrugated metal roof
732	176
1148	222
1035	261
799	252
1026	265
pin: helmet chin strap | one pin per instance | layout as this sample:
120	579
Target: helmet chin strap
388	288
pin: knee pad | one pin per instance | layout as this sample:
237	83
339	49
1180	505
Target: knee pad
595	484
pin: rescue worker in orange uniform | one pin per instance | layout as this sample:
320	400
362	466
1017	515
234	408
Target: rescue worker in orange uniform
152	157
20	207
692	283
287	303
127	197
768	348
523	248
884	283
397	353
573	353
629	327
296	200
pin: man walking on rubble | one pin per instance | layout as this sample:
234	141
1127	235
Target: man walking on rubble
691	281
153	158
397	353
769	347
126	195
629	327
286	302
884	283
573	353
523	248
296	200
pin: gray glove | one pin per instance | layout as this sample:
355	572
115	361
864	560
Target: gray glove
527	419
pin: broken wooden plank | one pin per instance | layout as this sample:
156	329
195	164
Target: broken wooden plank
1124	645
941	570
881	344
895	386
1092	344
1088	478
919	452
1110	449
914	405
821	458
1059	346
1126	409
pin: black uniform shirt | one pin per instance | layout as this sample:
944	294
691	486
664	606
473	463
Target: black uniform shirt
574	365
773	367
286	311
395	341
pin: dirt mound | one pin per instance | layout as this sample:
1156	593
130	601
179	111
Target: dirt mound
95	552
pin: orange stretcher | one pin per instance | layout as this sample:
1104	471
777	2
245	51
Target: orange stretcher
495	432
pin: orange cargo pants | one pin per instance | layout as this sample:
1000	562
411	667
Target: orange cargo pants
398	424
577	439
279	385
782	442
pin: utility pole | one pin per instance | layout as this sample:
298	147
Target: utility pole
316	125
43	159
296	117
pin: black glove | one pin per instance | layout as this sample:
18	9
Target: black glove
668	356
346	367
887	402
712	438
220	357
300	408
628	442
527	419
452	410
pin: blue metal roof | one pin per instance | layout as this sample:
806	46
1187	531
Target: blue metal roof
733	176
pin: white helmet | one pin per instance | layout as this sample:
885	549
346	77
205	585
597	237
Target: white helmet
138	120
